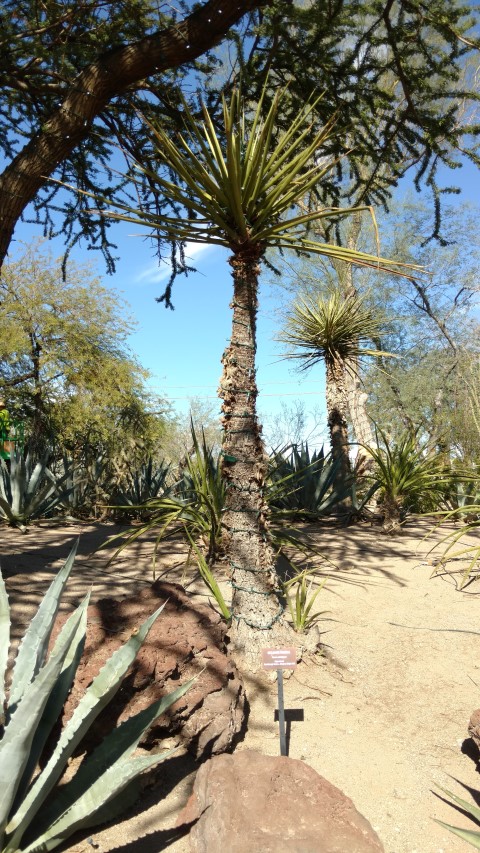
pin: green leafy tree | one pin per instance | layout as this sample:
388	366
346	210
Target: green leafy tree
73	76
238	194
65	365
433	328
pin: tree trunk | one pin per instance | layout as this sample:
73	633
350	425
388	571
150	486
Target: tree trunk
362	430
392	509
337	424
92	91
257	611
36	441
356	396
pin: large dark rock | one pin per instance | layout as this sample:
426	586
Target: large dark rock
186	638
474	728
253	803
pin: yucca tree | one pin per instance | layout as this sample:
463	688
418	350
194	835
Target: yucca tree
335	330
235	189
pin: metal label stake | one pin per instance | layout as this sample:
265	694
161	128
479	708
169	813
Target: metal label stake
280	659
281	713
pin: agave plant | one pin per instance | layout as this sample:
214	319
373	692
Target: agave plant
142	484
191	507
239	188
87	484
36	812
303	486
335	330
29	489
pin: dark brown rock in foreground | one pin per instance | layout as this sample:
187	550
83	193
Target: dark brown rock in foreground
253	803
474	728
186	638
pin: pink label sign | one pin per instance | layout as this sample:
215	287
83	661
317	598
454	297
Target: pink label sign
279	658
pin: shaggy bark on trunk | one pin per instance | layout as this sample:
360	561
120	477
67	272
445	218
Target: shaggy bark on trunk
362	430
336	398
393	514
356	395
257	610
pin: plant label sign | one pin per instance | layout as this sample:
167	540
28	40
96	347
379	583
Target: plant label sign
279	658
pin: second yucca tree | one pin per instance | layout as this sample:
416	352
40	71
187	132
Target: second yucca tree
336	330
236	189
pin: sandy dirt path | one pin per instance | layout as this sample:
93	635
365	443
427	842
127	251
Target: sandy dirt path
385	708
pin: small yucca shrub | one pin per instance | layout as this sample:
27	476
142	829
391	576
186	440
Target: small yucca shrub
36	813
409	478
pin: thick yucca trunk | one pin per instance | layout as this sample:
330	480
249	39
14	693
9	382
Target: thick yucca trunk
336	397
392	509
256	608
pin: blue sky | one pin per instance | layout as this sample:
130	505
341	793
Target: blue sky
183	347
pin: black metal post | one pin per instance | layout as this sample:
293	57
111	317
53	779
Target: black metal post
281	713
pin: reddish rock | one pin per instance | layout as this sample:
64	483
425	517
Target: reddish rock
474	728
185	638
253	803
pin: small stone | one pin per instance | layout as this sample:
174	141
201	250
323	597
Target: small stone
474	728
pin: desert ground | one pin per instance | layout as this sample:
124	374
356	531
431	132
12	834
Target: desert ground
386	700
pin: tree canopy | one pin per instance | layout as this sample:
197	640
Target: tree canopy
396	75
430	323
65	366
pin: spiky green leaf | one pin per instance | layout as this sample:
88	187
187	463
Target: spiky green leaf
469	835
102	791
20	731
4	644
33	648
55	702
96	697
243	184
112	754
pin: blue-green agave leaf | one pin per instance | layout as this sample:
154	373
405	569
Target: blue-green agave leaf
471	808
467	834
4	644
56	700
33	648
103	789
117	746
20	730
6	509
18	476
96	697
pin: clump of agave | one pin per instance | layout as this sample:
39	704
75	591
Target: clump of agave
36	813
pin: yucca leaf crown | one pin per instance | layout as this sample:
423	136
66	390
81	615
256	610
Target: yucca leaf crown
236	189
330	328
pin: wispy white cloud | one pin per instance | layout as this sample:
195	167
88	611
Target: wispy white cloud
156	272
